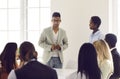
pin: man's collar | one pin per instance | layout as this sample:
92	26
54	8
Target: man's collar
113	48
29	61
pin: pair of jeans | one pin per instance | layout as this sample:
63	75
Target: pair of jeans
54	62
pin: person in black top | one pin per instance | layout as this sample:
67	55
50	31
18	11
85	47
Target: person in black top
111	39
31	69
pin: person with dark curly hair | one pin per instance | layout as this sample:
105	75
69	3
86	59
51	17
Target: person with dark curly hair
95	23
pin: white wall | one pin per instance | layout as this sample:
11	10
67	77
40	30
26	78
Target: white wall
75	20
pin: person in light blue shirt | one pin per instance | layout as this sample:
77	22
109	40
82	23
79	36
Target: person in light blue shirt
95	23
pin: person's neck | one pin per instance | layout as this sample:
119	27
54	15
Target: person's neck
95	30
55	29
33	59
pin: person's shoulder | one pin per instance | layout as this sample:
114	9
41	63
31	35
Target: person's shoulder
45	67
62	30
100	35
99	32
115	53
47	28
48	69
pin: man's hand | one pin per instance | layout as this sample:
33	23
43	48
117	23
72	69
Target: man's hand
58	47
53	47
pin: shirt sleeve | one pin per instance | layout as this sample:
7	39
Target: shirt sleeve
12	75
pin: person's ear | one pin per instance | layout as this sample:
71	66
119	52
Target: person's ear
96	26
35	54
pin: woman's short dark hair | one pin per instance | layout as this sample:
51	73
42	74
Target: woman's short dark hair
87	61
26	48
96	20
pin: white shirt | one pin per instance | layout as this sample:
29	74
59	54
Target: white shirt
12	75
96	36
55	40
55	37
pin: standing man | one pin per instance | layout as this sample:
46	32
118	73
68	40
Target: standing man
54	41
95	23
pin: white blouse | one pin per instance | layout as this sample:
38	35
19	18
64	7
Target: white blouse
106	69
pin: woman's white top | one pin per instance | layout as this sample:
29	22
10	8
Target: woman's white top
106	69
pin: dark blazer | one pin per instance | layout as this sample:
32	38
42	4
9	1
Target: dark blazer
35	70
116	62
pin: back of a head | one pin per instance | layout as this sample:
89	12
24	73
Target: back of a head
102	49
8	56
96	20
111	39
87	61
26	49
9	47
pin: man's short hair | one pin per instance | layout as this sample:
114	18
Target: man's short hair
96	20
111	39
56	14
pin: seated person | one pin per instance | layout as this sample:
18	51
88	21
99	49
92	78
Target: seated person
111	39
87	64
8	59
104	57
31	69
